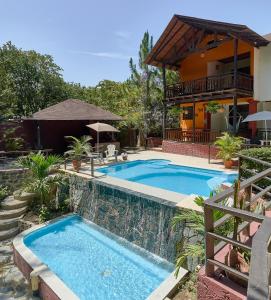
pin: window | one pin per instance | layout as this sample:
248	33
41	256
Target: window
188	113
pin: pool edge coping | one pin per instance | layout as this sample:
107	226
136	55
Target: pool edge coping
59	288
51	280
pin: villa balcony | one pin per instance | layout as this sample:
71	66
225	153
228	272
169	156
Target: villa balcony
210	88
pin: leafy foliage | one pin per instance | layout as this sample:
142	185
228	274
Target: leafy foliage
213	107
29	81
44	214
3	192
78	147
40	179
195	222
263	154
11	142
228	145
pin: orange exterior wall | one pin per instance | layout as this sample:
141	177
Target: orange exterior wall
195	67
200	113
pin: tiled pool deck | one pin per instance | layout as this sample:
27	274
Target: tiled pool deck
180	200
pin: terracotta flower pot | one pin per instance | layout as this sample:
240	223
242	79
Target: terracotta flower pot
76	164
228	164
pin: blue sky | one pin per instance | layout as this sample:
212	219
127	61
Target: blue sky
92	40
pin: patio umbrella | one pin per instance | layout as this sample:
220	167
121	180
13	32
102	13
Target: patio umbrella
260	116
101	127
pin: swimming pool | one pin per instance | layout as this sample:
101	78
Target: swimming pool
162	174
96	264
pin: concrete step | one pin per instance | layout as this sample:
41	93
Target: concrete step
7	234
13	213
24	196
8	224
11	203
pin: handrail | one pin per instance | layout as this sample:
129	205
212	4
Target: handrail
261	245
208	84
258	283
189	136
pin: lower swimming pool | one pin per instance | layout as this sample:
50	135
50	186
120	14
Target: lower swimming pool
95	264
163	174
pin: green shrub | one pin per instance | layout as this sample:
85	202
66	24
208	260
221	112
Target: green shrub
3	192
263	154
44	214
228	146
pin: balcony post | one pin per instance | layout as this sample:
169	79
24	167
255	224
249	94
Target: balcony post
164	122
235	70
194	120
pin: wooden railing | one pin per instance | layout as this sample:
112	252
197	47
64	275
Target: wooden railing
188	136
210	84
258	278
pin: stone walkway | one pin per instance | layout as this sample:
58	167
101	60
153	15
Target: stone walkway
13	285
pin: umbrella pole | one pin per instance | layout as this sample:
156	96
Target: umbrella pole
97	146
265	123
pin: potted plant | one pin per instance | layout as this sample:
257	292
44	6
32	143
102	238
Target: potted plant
228	146
77	149
124	156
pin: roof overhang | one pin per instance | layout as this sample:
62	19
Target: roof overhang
74	110
183	36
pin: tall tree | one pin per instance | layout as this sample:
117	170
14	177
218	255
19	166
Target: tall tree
31	81
143	76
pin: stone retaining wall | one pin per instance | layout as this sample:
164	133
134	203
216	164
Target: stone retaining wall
140	219
12	178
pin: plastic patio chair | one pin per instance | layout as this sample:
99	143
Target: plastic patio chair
111	152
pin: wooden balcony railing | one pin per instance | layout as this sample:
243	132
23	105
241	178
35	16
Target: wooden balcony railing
258	245
209	84
188	136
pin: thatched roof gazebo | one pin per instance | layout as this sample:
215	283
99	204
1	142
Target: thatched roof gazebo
47	128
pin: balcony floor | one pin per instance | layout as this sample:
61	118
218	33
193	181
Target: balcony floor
208	96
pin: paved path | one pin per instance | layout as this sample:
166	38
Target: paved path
13	285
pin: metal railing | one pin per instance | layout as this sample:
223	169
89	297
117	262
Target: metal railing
210	84
190	136
257	284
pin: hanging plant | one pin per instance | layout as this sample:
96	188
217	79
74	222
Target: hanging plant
214	107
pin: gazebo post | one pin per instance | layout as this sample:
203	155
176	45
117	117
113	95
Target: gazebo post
38	136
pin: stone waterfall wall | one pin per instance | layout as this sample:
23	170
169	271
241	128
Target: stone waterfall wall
142	220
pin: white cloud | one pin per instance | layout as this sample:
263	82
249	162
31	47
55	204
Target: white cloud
112	55
123	34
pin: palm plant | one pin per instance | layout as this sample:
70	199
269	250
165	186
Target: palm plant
228	146
40	180
77	149
195	222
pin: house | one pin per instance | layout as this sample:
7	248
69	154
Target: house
47	128
222	63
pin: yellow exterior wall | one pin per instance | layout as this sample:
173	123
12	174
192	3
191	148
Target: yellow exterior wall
195	67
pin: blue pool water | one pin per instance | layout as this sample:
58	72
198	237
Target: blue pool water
162	174
94	264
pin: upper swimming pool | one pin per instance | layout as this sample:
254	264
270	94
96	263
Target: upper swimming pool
163	174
